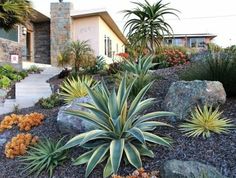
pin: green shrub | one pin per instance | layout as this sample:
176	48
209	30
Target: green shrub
75	87
121	131
204	121
215	68
44	156
9	68
53	101
99	66
5	82
34	69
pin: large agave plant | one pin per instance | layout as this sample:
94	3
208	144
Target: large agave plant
141	67
121	132
74	88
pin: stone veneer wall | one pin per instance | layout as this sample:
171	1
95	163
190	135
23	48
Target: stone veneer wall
8	47
61	25
42	42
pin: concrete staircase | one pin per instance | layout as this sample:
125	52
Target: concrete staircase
30	90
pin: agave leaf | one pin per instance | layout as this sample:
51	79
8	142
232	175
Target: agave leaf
137	99
137	133
108	169
89	117
144	151
133	155
97	156
153	115
116	152
155	139
74	141
92	135
84	158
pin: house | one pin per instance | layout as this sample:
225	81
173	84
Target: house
43	39
199	40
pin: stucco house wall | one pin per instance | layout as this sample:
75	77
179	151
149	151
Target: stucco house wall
117	44
87	29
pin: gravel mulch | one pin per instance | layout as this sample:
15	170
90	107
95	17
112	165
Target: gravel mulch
218	150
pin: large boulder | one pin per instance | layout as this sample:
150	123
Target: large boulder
183	96
72	124
188	169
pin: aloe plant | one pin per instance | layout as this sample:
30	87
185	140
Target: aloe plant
121	131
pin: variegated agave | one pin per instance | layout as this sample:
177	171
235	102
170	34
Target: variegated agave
121	132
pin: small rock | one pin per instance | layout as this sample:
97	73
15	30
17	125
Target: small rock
72	124
183	96
188	169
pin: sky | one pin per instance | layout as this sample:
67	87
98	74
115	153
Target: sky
196	16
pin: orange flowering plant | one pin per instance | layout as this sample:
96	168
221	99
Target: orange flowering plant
19	145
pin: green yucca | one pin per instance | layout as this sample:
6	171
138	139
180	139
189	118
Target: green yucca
204	121
45	155
75	88
121	131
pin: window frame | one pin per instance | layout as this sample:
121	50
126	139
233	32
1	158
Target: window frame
18	36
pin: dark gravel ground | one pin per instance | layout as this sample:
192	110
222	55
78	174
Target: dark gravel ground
218	150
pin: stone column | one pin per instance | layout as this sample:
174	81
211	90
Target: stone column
61	27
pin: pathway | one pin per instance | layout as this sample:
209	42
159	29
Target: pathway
30	90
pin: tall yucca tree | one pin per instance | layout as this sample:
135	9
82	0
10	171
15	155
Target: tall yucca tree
77	51
147	24
120	131
13	12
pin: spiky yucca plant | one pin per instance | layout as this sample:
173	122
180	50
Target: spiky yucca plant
204	121
121	131
45	155
75	88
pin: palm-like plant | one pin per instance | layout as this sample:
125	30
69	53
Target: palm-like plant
147	24
75	88
204	121
78	50
120	131
13	12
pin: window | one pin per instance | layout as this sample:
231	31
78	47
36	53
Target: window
177	42
9	35
107	46
196	43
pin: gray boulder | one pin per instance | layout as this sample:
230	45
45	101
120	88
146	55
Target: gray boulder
3	94
188	169
183	96
72	124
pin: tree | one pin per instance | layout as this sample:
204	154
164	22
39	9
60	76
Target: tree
13	12
78	52
147	24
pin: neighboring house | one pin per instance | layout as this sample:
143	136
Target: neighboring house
189	40
45	37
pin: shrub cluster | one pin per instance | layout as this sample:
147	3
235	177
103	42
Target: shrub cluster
19	145
52	101
9	74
